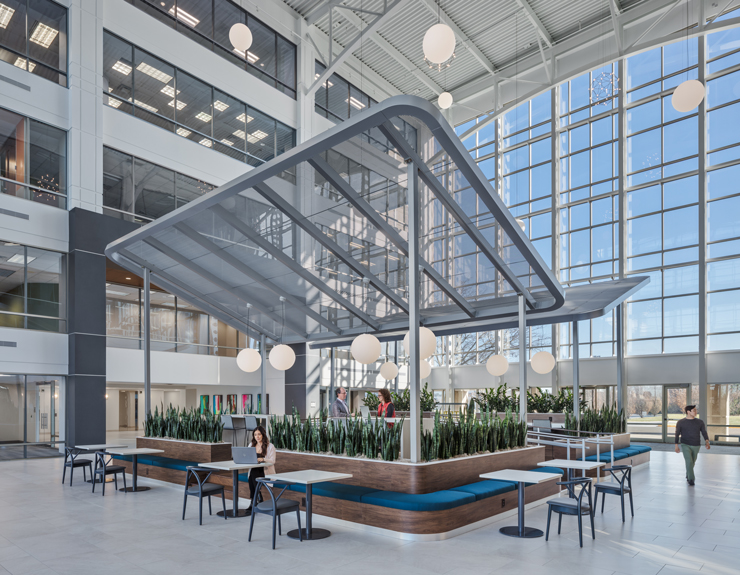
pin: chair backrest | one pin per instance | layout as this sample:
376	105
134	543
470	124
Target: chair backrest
250	422
585	484
239	423
100	460
269	485
196	473
542	423
622	474
228	422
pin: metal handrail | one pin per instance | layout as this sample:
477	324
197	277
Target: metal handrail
32	187
557	440
132	338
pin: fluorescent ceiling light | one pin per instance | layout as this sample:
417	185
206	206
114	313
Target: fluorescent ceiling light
6	13
21	63
203	117
206	142
180	104
255	137
154	73
18	259
326	84
169	90
251	58
183	132
43	35
240	134
227	142
112	292
354	102
183	16
145	106
220	106
113	103
122	67
353	244
241	117
392	257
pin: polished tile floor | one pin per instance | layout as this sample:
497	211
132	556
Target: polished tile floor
47	528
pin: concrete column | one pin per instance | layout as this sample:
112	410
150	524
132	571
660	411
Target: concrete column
522	359
414	316
576	388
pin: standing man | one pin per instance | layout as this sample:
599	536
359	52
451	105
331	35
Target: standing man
339	407
689	430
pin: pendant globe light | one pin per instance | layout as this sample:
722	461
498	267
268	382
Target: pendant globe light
425	369
365	348
240	37
388	370
427	343
497	365
689	93
249	359
543	362
445	100
282	357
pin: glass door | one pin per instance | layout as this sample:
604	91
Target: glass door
644	408
675	398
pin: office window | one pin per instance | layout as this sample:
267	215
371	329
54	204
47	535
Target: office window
34	38
33	160
271	58
139	83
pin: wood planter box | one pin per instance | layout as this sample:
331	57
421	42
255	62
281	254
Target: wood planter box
412	477
188	450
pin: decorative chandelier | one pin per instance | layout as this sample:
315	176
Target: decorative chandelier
603	87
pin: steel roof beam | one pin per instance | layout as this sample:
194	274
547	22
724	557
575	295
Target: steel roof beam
320	10
616	24
203	302
361	205
244	269
294	266
300	220
404	148
536	22
205	274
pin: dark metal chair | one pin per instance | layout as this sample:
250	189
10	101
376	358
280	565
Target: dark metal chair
275	507
250	424
203	489
104	468
240	424
574	505
71	461
623	476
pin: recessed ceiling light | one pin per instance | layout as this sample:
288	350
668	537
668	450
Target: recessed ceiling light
220	106
227	142
326	84
154	73
43	35
169	90
145	106
21	63
203	117
6	13
206	142
241	117
183	132
128	278
180	104
240	134
18	259
255	137
251	58
183	16
355	103
113	103
122	67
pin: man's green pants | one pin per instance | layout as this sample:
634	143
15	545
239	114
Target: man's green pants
690	453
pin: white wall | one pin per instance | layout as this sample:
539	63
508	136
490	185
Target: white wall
37	352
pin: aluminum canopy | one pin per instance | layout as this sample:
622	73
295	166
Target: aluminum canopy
326	257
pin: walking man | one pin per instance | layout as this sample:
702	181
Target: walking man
689	430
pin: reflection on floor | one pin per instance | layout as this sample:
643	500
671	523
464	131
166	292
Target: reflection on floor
10	451
47	528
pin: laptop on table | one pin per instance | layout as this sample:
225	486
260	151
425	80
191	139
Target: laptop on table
244	455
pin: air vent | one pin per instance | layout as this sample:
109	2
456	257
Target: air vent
8	344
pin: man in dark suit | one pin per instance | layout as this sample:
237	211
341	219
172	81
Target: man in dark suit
339	407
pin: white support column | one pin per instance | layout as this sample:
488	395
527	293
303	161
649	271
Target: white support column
263	371
522	359
576	388
147	326
703	400
621	386
414	316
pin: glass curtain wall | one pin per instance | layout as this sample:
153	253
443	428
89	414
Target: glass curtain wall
33	37
141	84
33	160
176	326
271	58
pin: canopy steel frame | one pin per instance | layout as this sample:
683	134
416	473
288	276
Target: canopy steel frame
361	205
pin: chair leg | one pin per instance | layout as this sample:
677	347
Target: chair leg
94	479
200	513
580	529
184	505
632	509
209	506
549	514
84	473
596	501
593	531
125	489
300	532
71	475
223	503
273	529
251	525
280	527
560	521
115	480
621	496
64	469
603	498
103	476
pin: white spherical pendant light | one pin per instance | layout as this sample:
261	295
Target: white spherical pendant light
439	43
688	95
427	343
543	362
425	369
365	348
240	37
282	357
249	360
497	365
388	370
445	100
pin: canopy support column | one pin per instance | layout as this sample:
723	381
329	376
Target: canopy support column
621	388
522	359
263	371
576	388
332	369
147	324
414	316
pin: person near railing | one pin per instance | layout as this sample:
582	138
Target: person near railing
688	430
339	407
386	407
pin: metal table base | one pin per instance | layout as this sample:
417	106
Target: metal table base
308	533
235	511
520	530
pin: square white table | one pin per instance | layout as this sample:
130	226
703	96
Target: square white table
100	447
234	468
308	478
571	464
134	452
522	478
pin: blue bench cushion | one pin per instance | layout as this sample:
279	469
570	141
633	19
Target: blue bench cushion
642	448
336	490
622	453
487	488
418	502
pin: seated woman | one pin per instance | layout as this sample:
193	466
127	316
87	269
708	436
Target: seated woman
386	407
265	454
